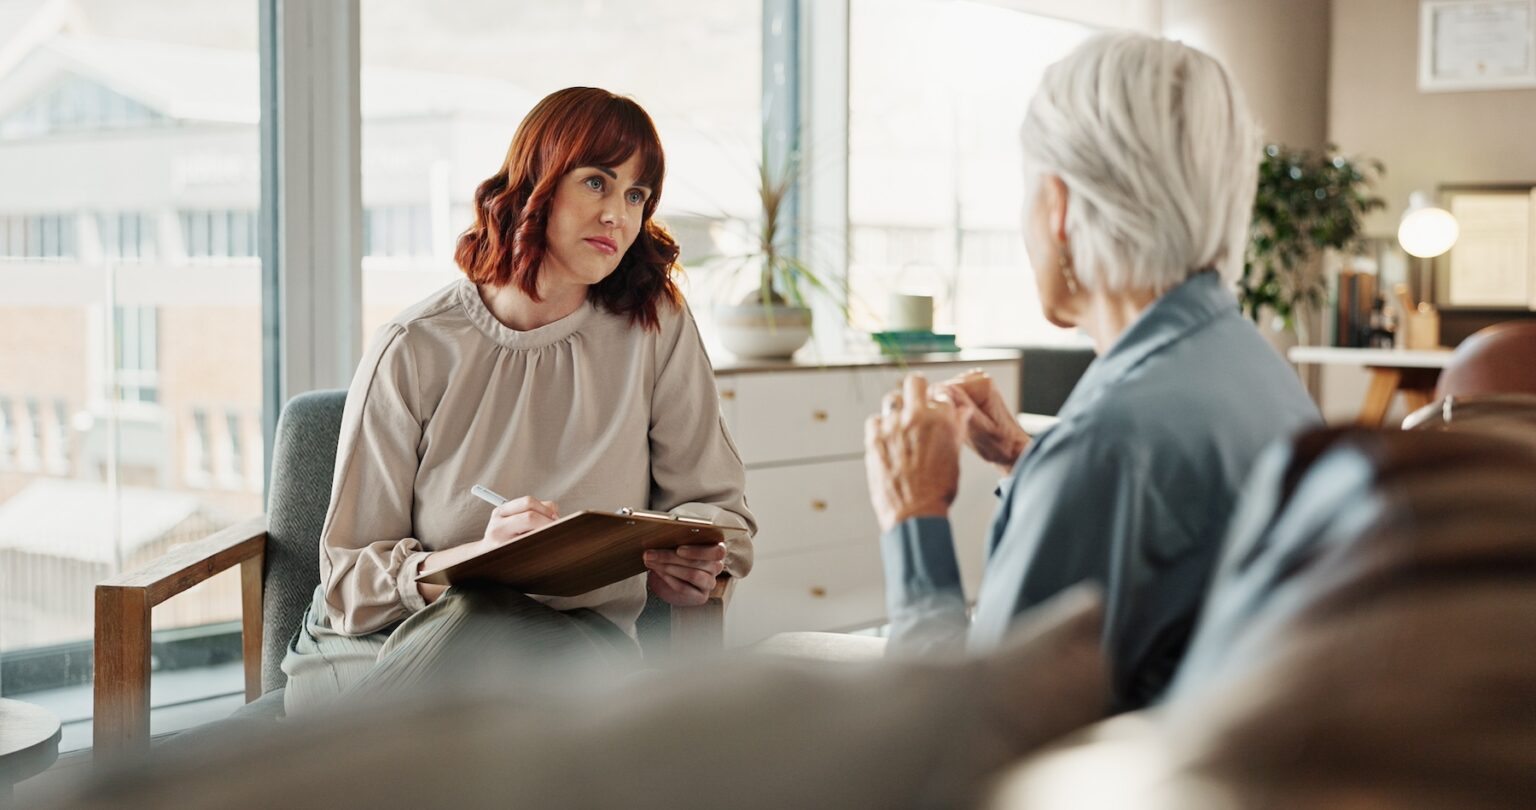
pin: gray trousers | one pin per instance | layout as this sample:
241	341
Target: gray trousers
471	634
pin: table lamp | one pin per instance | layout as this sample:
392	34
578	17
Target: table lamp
1425	232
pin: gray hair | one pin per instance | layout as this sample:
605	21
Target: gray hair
1155	145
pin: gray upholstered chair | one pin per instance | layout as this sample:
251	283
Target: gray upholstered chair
278	555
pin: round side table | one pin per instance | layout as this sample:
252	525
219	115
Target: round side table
29	743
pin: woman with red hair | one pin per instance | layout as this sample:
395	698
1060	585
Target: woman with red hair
565	370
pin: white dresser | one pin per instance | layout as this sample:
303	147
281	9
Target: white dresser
800	430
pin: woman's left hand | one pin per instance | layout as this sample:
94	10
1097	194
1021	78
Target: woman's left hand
685	576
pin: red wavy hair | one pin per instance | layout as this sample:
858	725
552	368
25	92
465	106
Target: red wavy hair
577	126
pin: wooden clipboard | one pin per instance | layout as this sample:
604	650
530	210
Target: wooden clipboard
580	552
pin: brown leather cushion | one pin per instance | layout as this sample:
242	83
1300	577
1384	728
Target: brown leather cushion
1500	359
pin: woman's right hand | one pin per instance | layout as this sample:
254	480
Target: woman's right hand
508	522
987	424
516	518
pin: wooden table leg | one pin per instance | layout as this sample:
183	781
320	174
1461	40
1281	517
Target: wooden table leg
1378	398
1416	398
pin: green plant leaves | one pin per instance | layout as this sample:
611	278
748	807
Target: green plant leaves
1308	201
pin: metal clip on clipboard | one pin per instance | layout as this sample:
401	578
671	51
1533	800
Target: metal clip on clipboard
627	512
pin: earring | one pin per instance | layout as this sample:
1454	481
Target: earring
1066	273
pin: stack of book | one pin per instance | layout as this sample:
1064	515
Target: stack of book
914	342
1352	321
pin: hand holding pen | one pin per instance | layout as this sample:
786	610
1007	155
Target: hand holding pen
514	518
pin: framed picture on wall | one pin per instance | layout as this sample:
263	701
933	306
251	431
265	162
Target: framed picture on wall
1476	45
1493	262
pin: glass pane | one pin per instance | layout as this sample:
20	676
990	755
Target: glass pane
108	345
937	90
443	89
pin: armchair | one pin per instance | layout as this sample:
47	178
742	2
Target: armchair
278	554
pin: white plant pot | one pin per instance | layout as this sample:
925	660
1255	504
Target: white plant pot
755	332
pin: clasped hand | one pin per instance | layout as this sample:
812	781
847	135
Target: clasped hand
912	447
987	424
684	576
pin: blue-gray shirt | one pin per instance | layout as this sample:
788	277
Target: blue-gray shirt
1131	489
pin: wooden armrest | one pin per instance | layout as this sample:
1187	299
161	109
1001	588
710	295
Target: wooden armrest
724	584
191	563
701	628
123	604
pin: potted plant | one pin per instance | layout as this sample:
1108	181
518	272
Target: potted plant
773	320
1308	201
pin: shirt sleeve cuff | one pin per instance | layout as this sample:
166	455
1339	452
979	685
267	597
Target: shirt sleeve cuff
405	582
919	556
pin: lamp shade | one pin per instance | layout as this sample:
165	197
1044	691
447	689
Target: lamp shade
1426	231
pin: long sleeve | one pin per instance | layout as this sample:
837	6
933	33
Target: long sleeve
695	468
923	592
368	556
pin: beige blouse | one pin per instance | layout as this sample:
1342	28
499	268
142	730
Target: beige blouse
589	411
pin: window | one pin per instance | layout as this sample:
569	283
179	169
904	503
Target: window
137	360
57	449
126	235
403	231
935	195
219	234
114	147
30	455
37	236
200	458
441	99
234	451
7	434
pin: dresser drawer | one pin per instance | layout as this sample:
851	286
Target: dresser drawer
810	505
836	588
799	415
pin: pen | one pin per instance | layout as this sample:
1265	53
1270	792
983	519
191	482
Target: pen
486	495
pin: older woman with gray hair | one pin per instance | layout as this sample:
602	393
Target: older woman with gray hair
1140	169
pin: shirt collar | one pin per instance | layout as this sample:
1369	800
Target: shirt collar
1198	300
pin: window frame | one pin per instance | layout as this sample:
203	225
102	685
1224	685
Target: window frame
311	201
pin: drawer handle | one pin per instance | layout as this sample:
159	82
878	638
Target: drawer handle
820	416
818	592
818	506
727	393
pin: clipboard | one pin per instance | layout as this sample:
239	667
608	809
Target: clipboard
580	552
